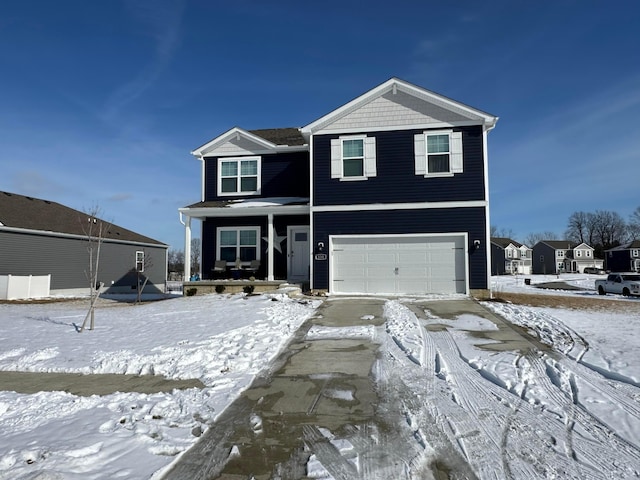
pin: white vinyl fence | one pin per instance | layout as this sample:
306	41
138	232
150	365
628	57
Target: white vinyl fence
13	287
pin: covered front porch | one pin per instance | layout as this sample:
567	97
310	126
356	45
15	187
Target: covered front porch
260	239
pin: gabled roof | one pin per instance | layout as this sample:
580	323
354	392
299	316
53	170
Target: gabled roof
560	244
505	242
634	244
28	213
238	141
404	105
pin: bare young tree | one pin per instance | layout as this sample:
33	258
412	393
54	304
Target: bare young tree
501	232
143	263
175	260
633	227
195	255
609	229
94	229
534	238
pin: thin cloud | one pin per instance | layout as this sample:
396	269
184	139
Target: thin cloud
162	23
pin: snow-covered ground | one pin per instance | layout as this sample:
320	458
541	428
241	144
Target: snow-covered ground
570	413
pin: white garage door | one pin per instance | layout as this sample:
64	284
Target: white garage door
401	264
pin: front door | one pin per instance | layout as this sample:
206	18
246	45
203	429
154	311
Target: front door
298	253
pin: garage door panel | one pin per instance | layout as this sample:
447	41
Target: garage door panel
414	264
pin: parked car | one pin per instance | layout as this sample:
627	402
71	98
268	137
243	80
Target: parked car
620	283
594	270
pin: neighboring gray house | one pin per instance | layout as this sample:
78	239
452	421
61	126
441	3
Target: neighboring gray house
40	237
624	258
509	257
557	256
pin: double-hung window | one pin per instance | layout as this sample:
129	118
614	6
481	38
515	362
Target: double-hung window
239	176
438	153
238	243
140	261
353	157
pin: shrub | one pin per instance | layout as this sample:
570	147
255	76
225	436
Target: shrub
248	289
191	292
220	288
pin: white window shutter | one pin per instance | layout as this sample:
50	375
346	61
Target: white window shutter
420	153
336	158
456	152
370	157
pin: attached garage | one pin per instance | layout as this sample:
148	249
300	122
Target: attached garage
398	264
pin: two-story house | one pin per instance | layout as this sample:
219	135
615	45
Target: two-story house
510	257
386	194
624	258
556	256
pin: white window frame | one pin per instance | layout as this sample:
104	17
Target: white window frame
456	163
635	252
239	176
369	168
560	254
238	229
578	253
587	253
140	261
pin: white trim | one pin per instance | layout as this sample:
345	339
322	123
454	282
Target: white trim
418	126
395	84
464	235
265	146
204	212
487	227
255	228
142	263
398	206
310	207
239	161
270	235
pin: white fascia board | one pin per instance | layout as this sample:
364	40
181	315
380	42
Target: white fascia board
229	134
45	233
488	120
204	212
398	206
417	126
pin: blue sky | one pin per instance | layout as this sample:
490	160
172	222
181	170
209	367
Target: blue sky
102	101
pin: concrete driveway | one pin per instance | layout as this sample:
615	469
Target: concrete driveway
322	389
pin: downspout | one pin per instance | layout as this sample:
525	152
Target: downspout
485	131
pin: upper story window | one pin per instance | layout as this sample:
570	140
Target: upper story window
635	253
353	157
239	176
560	253
578	253
509	253
438	153
587	253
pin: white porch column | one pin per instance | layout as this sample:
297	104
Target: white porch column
187	249
270	248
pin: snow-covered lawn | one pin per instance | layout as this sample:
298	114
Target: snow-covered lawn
225	341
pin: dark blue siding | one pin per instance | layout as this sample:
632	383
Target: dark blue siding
618	261
396	180
281	223
497	260
471	220
283	175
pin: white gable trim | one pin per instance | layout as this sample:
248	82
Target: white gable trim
393	85
257	145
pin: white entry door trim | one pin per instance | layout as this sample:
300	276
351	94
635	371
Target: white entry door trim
298	252
399	264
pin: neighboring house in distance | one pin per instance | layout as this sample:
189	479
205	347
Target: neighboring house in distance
509	257
40	237
386	194
557	256
624	258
